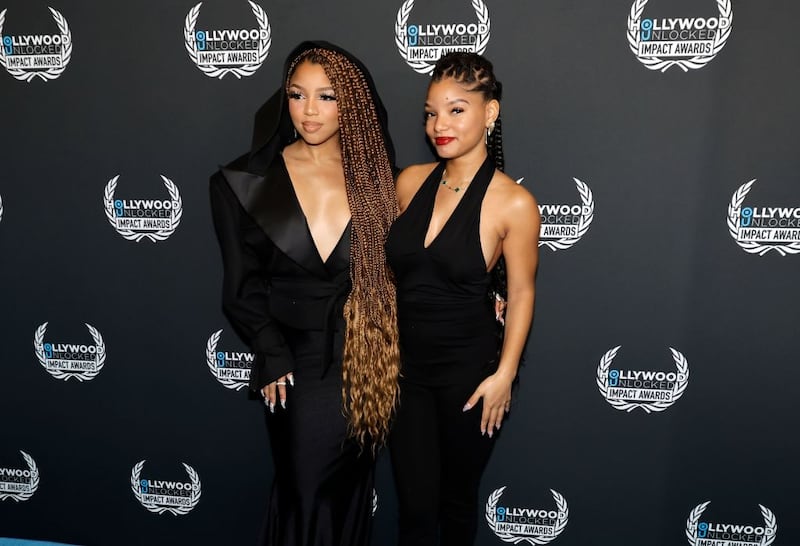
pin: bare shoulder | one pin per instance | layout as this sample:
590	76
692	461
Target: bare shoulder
506	194
409	181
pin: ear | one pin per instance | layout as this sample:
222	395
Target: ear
492	111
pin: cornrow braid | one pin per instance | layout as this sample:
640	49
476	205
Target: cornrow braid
477	71
371	359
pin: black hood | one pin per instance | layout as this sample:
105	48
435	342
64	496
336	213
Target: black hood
273	129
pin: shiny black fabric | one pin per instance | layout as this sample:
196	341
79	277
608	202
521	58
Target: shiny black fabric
286	303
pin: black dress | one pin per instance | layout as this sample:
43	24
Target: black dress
448	344
287	304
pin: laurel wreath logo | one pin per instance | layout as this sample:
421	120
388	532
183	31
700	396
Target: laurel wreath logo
698	61
602	383
426	67
753	247
374	501
130	235
86	375
51	73
33	484
587	215
491	519
213	71
1	208
157	508
211	360
770	524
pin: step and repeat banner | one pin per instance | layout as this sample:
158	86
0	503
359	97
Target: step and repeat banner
657	403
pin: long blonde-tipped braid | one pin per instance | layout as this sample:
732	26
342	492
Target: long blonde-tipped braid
371	359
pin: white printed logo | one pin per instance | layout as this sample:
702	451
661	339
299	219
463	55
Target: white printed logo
686	42
29	56
761	229
703	533
231	369
564	225
529	525
137	219
19	484
159	496
68	360
1	208
220	52
627	390
422	45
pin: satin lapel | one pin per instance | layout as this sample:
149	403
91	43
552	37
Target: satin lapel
271	202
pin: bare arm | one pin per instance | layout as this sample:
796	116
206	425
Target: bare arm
520	249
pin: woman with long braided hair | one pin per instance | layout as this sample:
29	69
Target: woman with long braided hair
458	218
302	220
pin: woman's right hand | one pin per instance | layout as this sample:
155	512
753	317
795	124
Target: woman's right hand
275	392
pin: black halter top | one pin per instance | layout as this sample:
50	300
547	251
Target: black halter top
445	319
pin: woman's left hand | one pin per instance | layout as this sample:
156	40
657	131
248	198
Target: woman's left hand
496	393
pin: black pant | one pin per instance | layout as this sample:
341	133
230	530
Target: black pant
438	456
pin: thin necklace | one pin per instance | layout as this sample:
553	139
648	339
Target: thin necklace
448	186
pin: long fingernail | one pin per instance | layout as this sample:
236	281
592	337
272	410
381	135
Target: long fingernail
466	407
283	404
291	380
483	431
490	433
271	407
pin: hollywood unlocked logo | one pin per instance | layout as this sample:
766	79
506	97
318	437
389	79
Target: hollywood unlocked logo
700	532
218	53
526	525
67	360
19	484
166	496
651	391
685	42
30	56
757	230
137	219
422	45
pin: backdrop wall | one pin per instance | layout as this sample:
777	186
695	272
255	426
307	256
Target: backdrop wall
658	402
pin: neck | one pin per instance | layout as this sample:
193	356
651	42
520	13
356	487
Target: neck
464	167
330	150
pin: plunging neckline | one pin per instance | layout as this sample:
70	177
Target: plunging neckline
452	213
299	206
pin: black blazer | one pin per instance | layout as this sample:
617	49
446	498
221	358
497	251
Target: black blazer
263	234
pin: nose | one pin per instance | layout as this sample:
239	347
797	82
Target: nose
310	107
439	124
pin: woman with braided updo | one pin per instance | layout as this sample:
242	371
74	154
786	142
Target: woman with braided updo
302	220
458	217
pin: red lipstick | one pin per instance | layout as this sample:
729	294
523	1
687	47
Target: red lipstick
441	141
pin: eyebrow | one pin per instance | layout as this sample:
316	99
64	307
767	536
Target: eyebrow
454	101
301	88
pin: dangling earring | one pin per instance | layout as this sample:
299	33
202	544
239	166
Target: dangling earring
295	132
489	131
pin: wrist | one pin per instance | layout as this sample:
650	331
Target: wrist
507	373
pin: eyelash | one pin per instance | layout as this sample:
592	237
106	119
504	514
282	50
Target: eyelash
298	96
429	115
